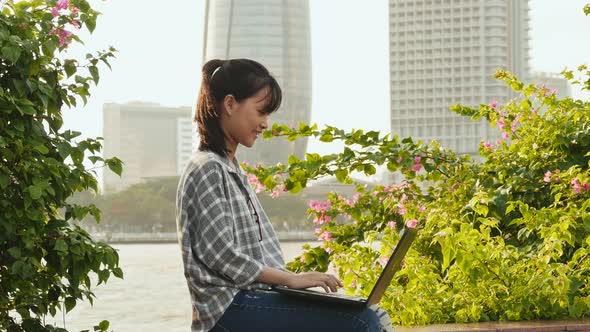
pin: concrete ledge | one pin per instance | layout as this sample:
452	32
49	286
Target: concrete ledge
524	326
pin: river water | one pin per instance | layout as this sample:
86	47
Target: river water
152	297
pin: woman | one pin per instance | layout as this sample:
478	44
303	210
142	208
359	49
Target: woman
230	251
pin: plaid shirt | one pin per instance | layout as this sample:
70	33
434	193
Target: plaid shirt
226	238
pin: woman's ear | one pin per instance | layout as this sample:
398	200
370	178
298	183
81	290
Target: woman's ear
229	104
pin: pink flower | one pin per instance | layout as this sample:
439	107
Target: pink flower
383	260
75	24
404	198
553	91
317	230
75	10
498	142
412	223
275	194
391	224
63	36
356	197
313	204
547	177
399	160
579	187
319	207
326	236
401	209
505	135
302	259
322	219
487	145
54	12
62	4
501	124
493	104
422	208
255	183
417	166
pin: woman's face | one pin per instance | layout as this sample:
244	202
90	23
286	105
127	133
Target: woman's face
246	119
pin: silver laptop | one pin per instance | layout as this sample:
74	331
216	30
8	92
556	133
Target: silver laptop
392	266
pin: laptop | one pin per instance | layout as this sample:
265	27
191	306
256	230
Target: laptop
392	266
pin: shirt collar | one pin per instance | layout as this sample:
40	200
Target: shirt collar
231	167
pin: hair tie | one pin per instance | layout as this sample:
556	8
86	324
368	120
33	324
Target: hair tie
215	71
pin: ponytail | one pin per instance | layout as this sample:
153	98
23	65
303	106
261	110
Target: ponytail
207	112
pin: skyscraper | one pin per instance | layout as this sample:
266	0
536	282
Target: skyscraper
276	34
444	52
151	140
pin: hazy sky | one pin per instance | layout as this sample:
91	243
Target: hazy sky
160	55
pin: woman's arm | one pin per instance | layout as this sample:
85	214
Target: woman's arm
274	276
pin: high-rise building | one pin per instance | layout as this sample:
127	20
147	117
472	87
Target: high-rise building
151	140
276	34
445	52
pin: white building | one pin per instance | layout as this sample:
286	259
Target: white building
445	52
151	140
276	34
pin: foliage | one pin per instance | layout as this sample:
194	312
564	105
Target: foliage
506	237
46	258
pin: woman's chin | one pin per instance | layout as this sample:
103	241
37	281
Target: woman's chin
249	144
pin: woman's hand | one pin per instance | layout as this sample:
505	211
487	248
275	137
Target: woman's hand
328	282
274	276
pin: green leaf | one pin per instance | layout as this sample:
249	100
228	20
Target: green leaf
4	180
70	303
118	272
64	149
90	23
11	53
341	175
115	166
326	138
102	326
36	192
61	246
94	72
370	169
70	67
50	46
14	252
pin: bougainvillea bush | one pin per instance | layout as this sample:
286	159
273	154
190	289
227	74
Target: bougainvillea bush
46	258
505	236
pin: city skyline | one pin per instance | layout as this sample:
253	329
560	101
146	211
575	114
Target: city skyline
349	58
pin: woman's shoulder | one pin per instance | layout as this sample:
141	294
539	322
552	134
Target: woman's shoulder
205	162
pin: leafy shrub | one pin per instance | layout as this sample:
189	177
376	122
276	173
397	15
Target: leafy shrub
46	258
505	237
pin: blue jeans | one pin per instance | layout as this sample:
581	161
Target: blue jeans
261	310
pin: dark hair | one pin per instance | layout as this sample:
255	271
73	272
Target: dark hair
241	78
